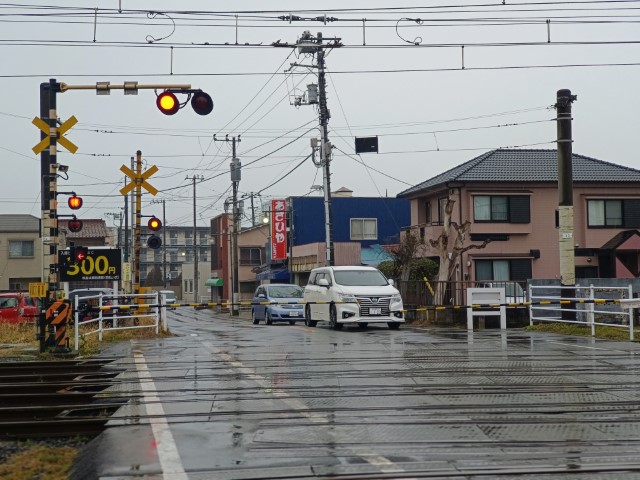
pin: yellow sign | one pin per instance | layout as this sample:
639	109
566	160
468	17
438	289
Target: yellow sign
58	133
38	290
142	179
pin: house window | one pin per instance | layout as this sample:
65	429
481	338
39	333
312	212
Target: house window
427	212
605	213
364	229
250	256
442	205
502	208
503	270
490	208
21	248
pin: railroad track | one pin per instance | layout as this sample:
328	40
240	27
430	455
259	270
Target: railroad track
56	399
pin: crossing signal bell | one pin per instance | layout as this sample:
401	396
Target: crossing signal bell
168	103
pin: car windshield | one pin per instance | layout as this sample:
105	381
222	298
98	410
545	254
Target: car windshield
285	291
365	278
8	302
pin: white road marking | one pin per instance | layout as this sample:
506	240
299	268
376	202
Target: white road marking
384	464
170	462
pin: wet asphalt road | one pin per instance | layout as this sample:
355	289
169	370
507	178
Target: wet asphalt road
229	400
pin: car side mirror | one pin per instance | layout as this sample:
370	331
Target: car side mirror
323	282
391	282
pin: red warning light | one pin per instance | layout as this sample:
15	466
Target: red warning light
168	103
75	225
154	224
74	202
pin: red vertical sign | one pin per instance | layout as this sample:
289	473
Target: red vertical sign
278	229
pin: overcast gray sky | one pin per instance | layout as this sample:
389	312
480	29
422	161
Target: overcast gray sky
399	75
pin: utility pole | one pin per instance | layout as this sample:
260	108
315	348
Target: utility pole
195	239
565	197
236	175
314	46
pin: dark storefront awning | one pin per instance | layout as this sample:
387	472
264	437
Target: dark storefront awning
213	282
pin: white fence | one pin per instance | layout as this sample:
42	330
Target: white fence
113	318
590	306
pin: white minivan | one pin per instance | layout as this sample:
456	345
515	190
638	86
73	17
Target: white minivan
351	295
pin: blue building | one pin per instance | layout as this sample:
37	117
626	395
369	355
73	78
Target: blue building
361	227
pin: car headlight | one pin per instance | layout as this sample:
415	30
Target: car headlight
396	298
347	298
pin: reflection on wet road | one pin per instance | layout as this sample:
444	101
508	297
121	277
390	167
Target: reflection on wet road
256	401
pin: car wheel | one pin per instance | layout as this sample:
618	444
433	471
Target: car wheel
394	325
292	322
253	317
307	317
267	317
333	318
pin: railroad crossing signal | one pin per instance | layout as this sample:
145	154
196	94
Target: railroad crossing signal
142	178
169	104
55	132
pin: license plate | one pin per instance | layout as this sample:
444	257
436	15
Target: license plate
294	314
375	311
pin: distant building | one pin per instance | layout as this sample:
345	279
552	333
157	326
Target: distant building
20	252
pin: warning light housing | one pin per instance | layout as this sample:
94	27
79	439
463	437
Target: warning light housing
154	242
168	103
201	103
154	224
74	202
75	225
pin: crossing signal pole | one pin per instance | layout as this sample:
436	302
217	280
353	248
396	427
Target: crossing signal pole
315	46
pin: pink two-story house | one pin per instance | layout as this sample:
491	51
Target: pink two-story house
511	198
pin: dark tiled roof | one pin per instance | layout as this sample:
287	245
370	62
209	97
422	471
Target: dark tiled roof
16	222
513	165
91	228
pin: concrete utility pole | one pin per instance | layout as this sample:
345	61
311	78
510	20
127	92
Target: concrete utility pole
236	175
308	44
195	240
565	196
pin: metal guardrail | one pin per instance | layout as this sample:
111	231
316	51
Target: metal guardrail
584	301
108	323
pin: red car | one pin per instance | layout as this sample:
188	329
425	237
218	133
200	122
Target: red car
17	307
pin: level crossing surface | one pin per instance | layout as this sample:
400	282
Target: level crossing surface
225	399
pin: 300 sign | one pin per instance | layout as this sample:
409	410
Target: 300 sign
99	265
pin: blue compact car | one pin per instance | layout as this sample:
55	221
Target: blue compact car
277	303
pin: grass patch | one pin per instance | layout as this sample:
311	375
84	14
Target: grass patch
609	333
18	341
38	460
